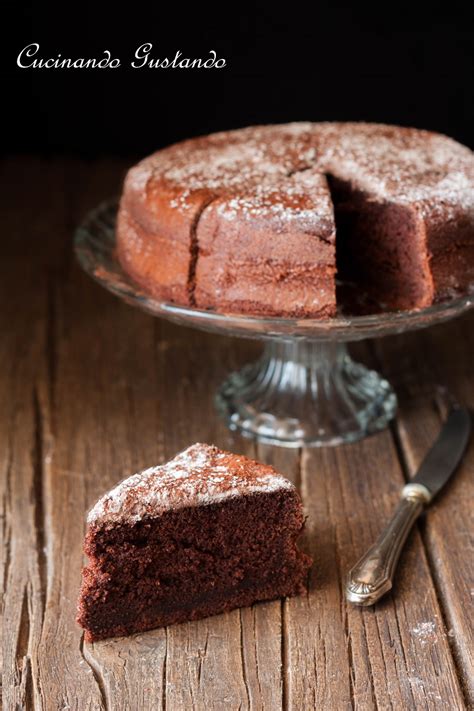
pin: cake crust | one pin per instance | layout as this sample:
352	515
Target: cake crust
200	475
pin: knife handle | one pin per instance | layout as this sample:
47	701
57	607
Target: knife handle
372	576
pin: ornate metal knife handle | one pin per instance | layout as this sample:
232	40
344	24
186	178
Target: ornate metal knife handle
372	576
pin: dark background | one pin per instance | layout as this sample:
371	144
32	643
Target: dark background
339	62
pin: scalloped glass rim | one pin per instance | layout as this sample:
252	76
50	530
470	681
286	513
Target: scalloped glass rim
95	250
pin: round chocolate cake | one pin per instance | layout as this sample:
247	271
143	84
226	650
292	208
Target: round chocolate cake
278	220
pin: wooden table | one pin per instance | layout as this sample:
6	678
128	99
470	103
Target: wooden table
92	390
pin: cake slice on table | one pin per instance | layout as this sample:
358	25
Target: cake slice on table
207	532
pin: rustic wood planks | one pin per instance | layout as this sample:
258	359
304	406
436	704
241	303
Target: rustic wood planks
91	390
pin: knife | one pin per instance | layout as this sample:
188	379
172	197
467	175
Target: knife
372	576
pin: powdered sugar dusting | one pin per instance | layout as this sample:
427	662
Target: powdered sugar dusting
230	162
301	200
138	177
400	164
200	475
425	632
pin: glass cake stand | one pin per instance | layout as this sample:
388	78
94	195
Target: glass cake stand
305	388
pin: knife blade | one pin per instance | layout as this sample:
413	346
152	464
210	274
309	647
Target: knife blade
373	575
446	453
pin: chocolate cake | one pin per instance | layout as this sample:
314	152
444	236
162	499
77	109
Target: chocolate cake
267	220
208	532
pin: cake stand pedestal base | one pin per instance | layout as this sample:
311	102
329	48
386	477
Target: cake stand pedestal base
306	393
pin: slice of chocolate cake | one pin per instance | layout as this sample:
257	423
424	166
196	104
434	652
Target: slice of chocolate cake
208	532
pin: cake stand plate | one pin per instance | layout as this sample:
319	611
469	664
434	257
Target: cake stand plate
305	389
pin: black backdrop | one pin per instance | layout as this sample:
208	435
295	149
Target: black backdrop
337	62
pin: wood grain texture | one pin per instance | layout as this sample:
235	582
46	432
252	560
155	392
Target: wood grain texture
367	658
22	366
92	390
430	363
